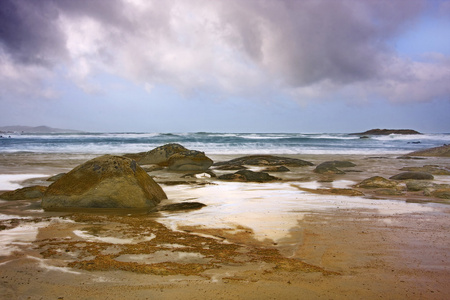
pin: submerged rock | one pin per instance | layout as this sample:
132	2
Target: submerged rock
190	160
31	192
332	191
247	175
104	182
413	175
276	169
265	160
182	206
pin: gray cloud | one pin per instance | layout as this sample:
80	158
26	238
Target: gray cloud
308	49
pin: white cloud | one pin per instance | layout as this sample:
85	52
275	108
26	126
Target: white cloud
308	50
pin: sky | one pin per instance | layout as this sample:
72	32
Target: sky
306	66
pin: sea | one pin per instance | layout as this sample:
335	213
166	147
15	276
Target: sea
220	143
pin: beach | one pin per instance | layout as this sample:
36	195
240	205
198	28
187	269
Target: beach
252	240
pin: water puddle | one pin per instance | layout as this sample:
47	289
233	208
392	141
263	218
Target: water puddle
164	256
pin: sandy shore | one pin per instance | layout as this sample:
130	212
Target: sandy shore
251	241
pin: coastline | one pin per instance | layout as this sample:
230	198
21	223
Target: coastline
358	247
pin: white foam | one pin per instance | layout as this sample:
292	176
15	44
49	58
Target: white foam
12	181
44	265
271	210
21	235
112	240
12	239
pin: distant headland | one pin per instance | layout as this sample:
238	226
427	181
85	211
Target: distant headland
37	129
387	132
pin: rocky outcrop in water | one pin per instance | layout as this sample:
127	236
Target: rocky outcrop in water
387	132
104	182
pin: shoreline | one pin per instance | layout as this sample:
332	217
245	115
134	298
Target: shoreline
315	246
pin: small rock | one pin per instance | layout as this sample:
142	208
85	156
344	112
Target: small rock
182	206
247	175
266	160
331	167
276	169
413	175
376	182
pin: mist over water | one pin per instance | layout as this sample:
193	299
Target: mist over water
221	143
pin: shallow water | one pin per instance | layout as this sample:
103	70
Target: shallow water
270	210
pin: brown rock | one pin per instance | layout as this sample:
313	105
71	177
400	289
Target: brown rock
247	175
432	169
413	175
104	182
265	160
159	155
31	192
442	151
190	160
376	182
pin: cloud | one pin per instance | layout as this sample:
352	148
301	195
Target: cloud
308	50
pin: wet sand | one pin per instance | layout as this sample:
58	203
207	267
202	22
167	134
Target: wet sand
251	241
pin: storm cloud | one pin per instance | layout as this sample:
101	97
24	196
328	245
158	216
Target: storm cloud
310	50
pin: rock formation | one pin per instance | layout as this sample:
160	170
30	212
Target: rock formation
441	151
387	132
159	155
104	182
190	160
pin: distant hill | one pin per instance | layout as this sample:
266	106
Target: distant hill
387	132
37	129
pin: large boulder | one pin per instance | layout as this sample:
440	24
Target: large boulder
247	175
190	160
265	160
30	192
412	175
377	182
104	182
331	167
159	155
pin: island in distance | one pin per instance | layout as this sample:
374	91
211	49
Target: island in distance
37	129
387	132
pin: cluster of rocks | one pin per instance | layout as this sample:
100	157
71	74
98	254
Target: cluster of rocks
123	182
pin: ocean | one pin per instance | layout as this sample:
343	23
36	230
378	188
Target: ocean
220	143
